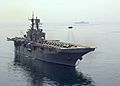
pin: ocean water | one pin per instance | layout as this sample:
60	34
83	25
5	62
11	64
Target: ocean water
98	68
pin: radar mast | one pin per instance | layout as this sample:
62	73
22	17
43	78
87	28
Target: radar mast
35	22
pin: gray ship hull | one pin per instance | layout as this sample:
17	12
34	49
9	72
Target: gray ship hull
64	57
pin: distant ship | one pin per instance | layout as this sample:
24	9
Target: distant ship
34	45
82	22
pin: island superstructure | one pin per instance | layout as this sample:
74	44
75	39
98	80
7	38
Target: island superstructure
35	45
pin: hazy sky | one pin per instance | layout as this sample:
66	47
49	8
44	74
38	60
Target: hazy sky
61	10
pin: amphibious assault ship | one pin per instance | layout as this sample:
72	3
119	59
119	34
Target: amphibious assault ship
35	46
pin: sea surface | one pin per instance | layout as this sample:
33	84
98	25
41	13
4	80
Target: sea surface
98	68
